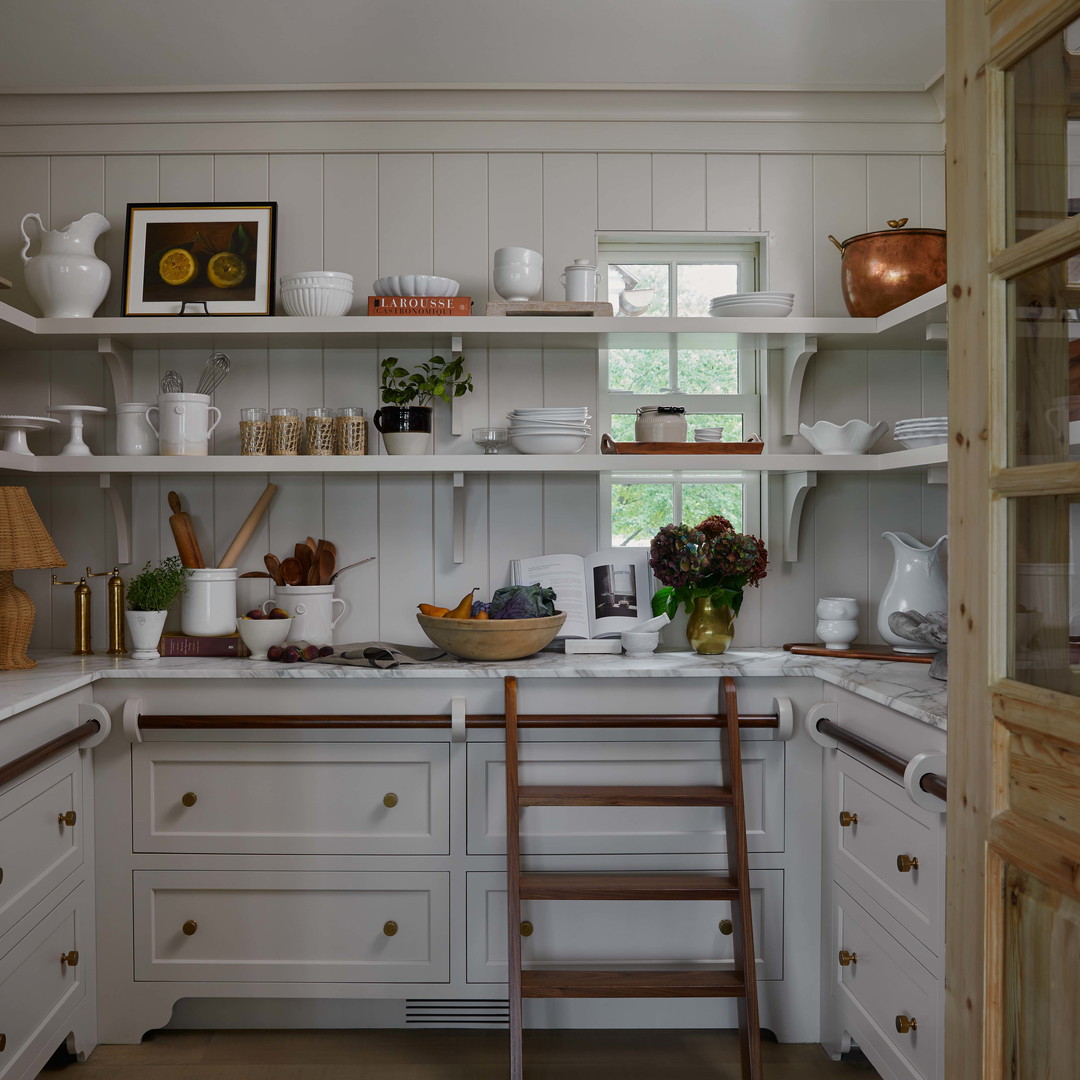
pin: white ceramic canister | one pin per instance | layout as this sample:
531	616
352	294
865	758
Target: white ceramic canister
134	435
312	611
660	423
208	607
184	427
580	281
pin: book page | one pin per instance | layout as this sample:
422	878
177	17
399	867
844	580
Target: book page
619	587
566	575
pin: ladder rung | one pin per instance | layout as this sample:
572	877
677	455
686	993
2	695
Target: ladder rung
627	887
626	795
603	984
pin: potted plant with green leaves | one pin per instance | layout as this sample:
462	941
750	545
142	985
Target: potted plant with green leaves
407	396
150	594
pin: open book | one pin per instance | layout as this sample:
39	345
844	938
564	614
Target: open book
602	594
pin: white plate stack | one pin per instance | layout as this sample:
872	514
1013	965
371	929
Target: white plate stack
549	431
754	305
708	434
922	431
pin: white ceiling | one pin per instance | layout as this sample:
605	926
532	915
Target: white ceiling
776	44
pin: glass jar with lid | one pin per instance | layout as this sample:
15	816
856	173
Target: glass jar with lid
660	423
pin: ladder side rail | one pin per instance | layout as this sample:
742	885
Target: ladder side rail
513	881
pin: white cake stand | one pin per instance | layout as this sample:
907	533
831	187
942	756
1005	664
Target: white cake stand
75	446
17	427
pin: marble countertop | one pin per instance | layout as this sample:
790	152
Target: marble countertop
905	687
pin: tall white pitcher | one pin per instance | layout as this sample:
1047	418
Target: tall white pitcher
66	279
917	584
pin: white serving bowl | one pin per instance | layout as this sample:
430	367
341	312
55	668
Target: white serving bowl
854	437
547	443
259	634
415	285
326	279
316	300
752	309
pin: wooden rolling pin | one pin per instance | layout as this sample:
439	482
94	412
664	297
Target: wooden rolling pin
249	527
183	531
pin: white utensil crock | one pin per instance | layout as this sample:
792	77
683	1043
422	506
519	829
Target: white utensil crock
208	608
580	281
144	631
312	611
134	435
184	427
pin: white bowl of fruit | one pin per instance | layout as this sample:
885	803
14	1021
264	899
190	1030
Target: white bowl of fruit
260	632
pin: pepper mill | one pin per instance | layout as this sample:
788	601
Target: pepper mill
82	615
115	587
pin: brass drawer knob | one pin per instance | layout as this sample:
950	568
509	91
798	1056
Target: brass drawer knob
189	798
906	863
190	927
727	927
526	929
389	800
70	958
904	1024
847	958
66	819
847	819
390	928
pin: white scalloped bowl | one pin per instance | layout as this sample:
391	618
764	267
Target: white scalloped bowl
415	285
315	300
854	437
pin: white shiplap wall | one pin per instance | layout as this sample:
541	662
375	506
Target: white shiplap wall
445	212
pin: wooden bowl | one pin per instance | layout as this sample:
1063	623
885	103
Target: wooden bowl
492	639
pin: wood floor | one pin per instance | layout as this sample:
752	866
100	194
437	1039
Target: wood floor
447	1055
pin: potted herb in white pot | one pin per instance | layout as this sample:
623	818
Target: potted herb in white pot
405	417
150	594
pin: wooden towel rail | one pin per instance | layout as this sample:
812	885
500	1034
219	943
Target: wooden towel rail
932	783
33	758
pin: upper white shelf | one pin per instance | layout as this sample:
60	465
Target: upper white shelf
914	325
486	463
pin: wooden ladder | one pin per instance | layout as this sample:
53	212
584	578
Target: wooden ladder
734	888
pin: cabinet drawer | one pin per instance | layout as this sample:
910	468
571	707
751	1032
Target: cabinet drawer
551	830
639	932
891	826
239	926
292	798
37	851
884	983
36	989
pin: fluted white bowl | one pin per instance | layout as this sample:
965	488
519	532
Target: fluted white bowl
316	301
415	285
854	437
325	279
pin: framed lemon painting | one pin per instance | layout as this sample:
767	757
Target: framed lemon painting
199	259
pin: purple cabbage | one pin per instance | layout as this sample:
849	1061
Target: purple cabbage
522	602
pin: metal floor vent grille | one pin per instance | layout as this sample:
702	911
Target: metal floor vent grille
457	1012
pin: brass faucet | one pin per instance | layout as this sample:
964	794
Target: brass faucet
115	610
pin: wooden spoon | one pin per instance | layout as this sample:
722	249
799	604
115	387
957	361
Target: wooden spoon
313	573
274	567
302	554
327	562
311	544
292	571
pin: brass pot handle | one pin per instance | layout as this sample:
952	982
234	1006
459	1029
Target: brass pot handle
839	246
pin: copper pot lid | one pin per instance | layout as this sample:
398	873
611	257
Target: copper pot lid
892	230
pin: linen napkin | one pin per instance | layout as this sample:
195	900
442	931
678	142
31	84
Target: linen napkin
381	654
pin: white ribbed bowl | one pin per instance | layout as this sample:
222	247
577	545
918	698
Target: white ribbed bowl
415	285
316	301
326	279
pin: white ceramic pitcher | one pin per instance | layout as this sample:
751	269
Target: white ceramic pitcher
312	611
66	279
183	428
917	584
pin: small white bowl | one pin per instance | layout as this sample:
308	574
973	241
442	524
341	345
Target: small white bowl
567	443
315	301
260	634
640	642
854	437
415	285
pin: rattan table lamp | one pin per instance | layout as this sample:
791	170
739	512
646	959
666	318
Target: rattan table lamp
24	545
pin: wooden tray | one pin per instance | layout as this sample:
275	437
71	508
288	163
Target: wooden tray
609	446
859	652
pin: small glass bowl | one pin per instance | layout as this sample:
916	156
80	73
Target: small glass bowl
490	438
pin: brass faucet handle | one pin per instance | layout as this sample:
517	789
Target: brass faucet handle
81	581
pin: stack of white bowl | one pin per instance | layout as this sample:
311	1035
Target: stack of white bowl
708	434
753	305
922	431
319	293
549	431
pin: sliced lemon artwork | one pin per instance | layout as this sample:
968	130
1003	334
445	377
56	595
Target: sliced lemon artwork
177	266
226	270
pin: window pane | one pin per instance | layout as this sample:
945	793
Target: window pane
703	500
641	371
639	300
639	511
698	283
708	371
622	427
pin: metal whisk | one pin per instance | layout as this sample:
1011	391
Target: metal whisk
172	382
216	368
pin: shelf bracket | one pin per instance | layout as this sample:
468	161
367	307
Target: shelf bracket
455	413
937	331
459	517
118	492
937	474
797	351
796	486
118	358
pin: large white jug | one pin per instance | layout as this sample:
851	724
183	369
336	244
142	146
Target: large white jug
917	584
66	279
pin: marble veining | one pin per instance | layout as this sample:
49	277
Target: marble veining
903	687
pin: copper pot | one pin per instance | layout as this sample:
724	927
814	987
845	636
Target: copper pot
882	270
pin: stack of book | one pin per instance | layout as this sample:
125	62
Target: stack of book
419	305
